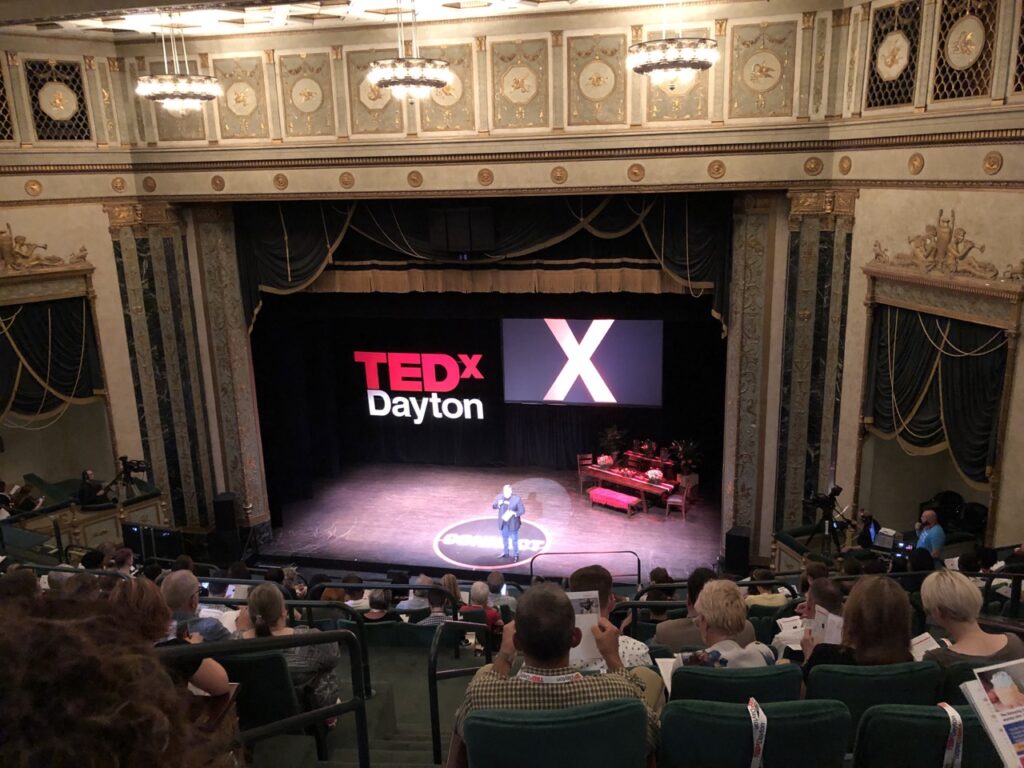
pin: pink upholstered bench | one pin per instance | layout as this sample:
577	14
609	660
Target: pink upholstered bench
614	499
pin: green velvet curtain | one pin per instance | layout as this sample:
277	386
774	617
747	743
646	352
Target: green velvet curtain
936	384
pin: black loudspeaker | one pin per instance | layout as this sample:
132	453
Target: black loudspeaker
225	542
737	551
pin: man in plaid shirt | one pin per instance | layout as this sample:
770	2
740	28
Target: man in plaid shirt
544	630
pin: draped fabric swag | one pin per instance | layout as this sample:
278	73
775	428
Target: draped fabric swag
285	247
48	361
936	384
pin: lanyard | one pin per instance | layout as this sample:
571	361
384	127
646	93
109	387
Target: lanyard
955	741
759	728
531	677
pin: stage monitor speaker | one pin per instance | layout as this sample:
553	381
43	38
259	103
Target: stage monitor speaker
225	542
737	551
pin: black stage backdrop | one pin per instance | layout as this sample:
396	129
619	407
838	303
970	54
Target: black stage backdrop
313	403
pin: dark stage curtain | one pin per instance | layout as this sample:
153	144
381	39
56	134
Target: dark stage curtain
283	247
936	384
48	357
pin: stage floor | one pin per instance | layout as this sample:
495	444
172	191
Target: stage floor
441	518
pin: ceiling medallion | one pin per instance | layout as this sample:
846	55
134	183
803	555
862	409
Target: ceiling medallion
149	184
559	175
280	181
813	166
845	164
636	172
485	177
57	101
716	169
915	163
118	184
672	59
415	179
409	75
178	90
33	187
217	182
347	180
992	164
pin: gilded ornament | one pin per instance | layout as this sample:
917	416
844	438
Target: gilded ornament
415	179
118	184
636	172
280	181
813	166
17	254
33	187
845	164
485	177
716	169
217	182
347	180
993	163
559	175
943	248
720	27
149	184
915	164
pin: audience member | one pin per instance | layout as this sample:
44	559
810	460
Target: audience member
92	560
720	613
81	687
123	561
876	628
152	618
451	583
660	575
875	566
920	561
355	595
380	606
851	566
19	583
679	634
497	598
478	595
930	535
813	570
57	580
417	601
438	602
545	631
24	501
5	500
276	576
81	586
225	614
596	578
153	571
768	595
90	490
953	603
184	563
311	666
824	592
181	591
239	570
656	615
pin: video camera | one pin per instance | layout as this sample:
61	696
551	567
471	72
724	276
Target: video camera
132	466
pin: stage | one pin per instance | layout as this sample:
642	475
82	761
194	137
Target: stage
439	517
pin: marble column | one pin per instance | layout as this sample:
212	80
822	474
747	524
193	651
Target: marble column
153	273
817	285
234	388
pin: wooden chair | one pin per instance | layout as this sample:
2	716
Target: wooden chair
676	500
583	460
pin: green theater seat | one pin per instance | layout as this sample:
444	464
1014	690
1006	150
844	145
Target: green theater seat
901	736
708	734
735	686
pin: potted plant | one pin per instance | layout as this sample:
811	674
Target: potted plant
690	456
612	440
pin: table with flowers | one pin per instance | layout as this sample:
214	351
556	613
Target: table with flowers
651	481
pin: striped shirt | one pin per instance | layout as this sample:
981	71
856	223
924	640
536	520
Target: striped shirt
489	690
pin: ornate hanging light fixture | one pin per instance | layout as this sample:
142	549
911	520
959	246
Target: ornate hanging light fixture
673	60
177	90
409	75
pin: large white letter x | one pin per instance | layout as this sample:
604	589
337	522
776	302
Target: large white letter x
578	364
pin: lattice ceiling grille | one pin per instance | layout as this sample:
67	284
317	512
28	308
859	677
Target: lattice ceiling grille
963	62
892	65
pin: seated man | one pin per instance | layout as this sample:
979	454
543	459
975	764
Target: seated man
495	583
438	602
765	596
91	491
544	631
595	578
181	592
678	634
417	601
824	592
931	536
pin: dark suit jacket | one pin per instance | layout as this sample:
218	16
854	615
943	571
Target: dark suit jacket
516	505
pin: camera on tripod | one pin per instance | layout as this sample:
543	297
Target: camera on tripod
831	522
132	466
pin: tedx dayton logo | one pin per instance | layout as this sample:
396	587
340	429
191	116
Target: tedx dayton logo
409	372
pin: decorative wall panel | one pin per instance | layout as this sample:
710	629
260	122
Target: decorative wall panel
520	87
307	94
1018	78
674	101
57	93
372	110
820	58
170	126
107	102
6	123
242	110
597	79
763	69
963	61
452	108
892	60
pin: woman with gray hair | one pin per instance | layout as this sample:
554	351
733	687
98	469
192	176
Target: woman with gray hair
720	616
953	603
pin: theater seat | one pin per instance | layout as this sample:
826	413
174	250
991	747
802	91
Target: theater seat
900	736
766	684
860	688
708	734
610	734
953	676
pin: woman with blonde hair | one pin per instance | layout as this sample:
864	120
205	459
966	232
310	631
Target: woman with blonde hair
721	614
953	603
876	628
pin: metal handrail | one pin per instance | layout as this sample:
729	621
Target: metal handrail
356	704
367	585
433	676
72	570
682	585
595	552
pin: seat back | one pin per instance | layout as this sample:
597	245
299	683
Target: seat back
265	692
707	734
860	688
765	628
902	736
955	674
659	651
735	686
584	460
559	738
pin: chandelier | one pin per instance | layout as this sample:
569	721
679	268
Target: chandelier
177	90
673	61
411	74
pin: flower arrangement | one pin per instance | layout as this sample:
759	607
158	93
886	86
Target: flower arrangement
604	460
655	475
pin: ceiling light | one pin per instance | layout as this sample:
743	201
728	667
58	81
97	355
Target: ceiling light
409	75
177	90
673	58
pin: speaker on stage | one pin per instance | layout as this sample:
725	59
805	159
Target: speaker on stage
225	542
737	551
